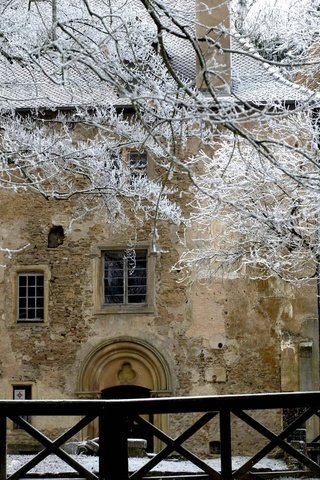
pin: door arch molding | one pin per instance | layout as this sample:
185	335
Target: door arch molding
125	361
106	363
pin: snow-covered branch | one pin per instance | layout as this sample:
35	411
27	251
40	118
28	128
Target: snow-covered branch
90	81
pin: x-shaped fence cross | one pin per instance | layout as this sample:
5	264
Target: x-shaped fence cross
276	440
52	447
175	445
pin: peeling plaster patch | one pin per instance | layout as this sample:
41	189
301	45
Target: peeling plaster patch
280	289
287	309
287	342
216	375
60	219
174	234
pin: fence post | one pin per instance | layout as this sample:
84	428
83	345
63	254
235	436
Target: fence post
3	447
113	443
226	450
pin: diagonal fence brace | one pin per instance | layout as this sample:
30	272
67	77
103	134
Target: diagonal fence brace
175	445
52	447
276	440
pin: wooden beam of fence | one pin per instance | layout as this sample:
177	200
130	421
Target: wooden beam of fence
52	447
225	439
246	467
276	440
259	401
114	418
113	445
175	444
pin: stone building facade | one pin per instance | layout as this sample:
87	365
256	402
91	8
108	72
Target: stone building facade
63	337
233	335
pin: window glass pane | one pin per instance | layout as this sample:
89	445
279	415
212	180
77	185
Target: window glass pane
30	296
23	288
40	302
22	280
31	302
31	292
22	303
137	295
113	277
39	291
137	278
125	277
39	313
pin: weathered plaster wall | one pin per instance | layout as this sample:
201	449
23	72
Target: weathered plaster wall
231	336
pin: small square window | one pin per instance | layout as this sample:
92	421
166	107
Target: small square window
30	293
22	392
125	277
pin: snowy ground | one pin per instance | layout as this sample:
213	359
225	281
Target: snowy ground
53	464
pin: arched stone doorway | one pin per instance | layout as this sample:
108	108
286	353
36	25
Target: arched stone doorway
125	366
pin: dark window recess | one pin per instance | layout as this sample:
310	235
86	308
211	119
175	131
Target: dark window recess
30	297
125	277
56	236
113	168
22	392
137	165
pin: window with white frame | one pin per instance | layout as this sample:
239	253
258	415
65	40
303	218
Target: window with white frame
125	277
22	392
30	296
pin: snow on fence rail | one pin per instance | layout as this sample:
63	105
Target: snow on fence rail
114	417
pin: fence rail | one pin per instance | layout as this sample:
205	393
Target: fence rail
114	417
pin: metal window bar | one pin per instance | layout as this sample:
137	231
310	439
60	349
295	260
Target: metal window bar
125	279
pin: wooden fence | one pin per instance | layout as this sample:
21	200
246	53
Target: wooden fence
114	417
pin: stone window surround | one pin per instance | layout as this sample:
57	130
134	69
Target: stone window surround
44	269
98	263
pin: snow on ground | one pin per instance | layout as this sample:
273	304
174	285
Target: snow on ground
53	464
